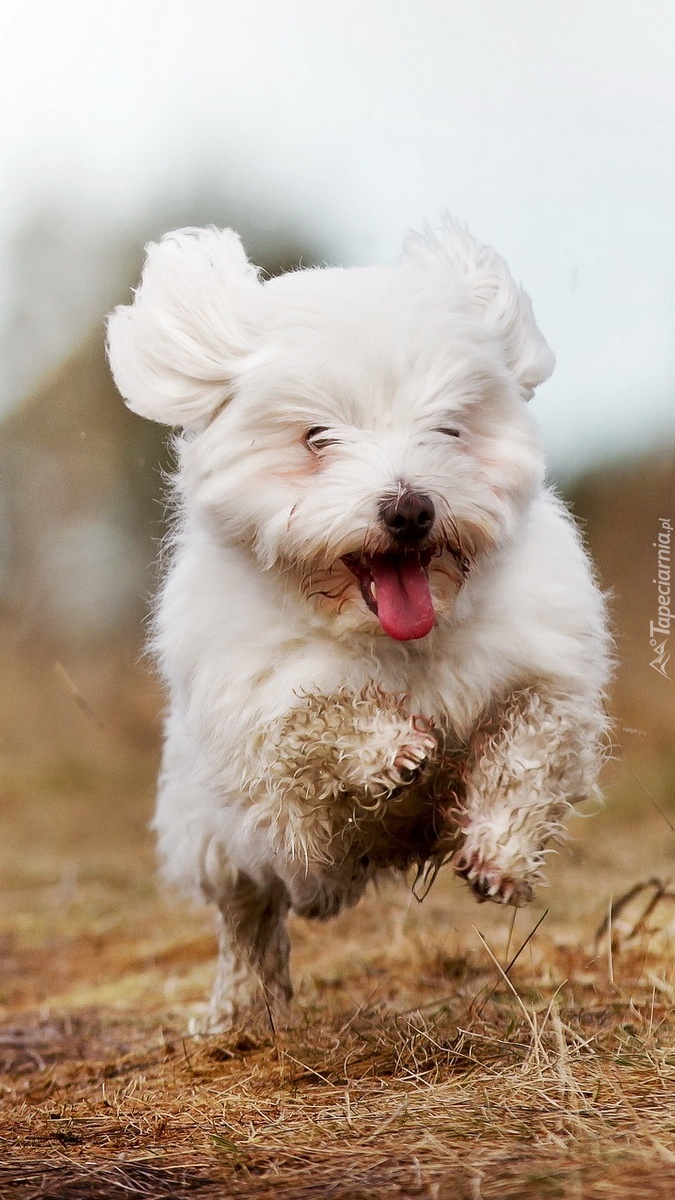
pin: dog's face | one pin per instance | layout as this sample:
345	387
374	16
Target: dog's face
364	432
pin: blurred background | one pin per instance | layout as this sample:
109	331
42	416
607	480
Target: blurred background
321	131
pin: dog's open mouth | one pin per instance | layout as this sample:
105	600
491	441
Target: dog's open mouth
396	588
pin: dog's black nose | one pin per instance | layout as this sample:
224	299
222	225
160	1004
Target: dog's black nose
408	517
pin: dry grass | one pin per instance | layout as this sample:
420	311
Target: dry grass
415	1066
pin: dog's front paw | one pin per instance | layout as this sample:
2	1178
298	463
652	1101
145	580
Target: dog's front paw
418	748
489	882
382	748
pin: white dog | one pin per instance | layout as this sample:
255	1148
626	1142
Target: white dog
382	639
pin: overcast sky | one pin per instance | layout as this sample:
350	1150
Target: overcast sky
548	126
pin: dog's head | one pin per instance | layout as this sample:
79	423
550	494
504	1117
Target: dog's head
363	431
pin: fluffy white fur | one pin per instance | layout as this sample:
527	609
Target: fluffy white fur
306	748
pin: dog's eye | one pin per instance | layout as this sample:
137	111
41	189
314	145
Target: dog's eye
317	437
449	432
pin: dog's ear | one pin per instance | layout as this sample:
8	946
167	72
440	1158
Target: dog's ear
503	307
176	351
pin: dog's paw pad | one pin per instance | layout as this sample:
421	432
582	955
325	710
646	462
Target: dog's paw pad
488	882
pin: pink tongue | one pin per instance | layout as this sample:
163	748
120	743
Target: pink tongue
405	609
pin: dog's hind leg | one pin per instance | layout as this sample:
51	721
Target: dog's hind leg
528	764
253	953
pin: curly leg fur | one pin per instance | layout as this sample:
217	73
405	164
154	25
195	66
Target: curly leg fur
333	759
327	758
526	768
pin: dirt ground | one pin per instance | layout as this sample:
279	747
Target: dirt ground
419	1063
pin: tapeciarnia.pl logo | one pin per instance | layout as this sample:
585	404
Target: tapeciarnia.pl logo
659	630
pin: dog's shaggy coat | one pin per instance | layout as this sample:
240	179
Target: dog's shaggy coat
382	639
